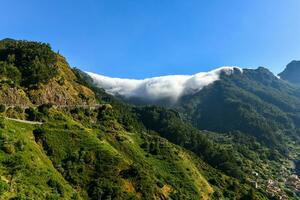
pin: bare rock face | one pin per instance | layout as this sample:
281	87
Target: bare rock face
13	96
66	94
63	89
291	73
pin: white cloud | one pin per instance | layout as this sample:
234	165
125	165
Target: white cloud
157	88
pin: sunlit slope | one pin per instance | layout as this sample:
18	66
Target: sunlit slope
25	169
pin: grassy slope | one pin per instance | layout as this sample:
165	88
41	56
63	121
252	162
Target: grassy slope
170	172
79	157
33	167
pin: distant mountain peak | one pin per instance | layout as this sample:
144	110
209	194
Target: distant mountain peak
292	72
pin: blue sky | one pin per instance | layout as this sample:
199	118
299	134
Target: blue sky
145	38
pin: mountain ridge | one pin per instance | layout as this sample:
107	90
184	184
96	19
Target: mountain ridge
161	88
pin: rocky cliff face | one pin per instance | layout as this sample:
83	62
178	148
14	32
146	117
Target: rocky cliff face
63	89
291	73
13	96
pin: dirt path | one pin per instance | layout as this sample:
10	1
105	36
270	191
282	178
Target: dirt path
24	121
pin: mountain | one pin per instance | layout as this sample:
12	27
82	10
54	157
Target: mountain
255	102
249	116
31	73
61	137
227	99
164	90
292	72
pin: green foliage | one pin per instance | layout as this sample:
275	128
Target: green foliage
8	148
2	122
55	185
14	164
33	115
18	109
98	165
254	102
3	187
8	70
2	108
27	63
117	151
15	112
169	125
44	108
26	171
39	134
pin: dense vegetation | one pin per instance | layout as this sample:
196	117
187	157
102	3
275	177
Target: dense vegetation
256	116
97	147
255	102
104	157
27	63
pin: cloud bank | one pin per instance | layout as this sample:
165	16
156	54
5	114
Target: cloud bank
163	87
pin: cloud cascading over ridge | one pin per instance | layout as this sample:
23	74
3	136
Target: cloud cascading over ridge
163	87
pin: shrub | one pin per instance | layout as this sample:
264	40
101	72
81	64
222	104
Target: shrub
75	197
52	197
8	148
19	197
2	108
31	113
44	108
38	134
20	145
56	186
2	123
129	173
3	187
18	109
16	112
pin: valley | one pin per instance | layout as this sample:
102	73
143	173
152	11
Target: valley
63	136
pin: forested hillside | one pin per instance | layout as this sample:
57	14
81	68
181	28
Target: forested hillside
255	102
245	124
63	138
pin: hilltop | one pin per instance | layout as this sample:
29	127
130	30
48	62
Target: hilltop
32	74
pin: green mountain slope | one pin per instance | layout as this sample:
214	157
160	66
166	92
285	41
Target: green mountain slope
243	124
90	145
73	157
26	171
254	102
